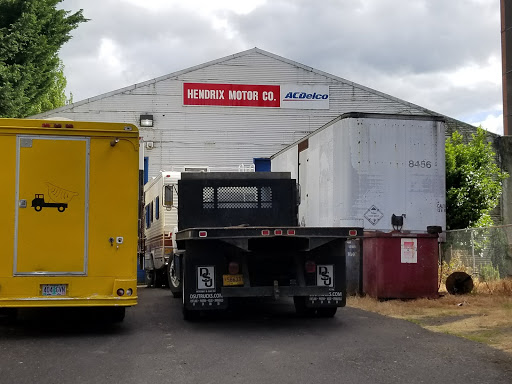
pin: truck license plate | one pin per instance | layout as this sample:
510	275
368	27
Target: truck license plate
53	289
233	279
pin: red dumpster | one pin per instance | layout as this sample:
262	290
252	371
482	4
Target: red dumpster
400	266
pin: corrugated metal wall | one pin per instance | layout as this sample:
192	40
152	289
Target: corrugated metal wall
227	136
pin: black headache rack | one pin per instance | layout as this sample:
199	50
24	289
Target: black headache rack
225	199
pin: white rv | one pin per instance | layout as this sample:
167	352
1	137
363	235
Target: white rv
161	221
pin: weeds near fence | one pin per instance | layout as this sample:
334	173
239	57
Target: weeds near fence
456	264
496	287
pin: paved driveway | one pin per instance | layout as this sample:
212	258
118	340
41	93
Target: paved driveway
259	343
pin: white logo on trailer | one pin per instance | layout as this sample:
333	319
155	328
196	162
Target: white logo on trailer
205	278
325	275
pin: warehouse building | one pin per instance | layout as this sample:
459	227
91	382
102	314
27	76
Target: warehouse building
226	112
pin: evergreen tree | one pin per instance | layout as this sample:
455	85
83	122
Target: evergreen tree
31	73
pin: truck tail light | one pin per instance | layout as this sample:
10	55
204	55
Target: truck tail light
233	268
310	266
203	233
291	232
278	232
352	232
265	232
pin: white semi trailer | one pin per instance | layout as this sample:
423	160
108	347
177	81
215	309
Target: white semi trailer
379	171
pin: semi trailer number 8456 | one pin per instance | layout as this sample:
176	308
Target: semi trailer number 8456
420	164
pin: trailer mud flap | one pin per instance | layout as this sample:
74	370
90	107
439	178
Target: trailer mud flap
201	290
326	277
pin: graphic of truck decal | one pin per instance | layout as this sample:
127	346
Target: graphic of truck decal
38	203
58	198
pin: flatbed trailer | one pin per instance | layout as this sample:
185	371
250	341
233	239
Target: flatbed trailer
251	245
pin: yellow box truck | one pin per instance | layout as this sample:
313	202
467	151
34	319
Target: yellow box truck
69	204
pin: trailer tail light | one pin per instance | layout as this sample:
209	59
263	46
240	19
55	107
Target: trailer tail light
129	292
45	125
278	232
352	232
233	268
203	233
291	232
120	292
69	125
265	232
310	266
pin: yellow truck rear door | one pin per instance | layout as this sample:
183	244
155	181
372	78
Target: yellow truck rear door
51	222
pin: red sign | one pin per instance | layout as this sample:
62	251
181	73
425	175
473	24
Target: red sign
232	95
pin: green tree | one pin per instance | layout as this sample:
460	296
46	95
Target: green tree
31	73
473	181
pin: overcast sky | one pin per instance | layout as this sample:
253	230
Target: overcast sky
443	55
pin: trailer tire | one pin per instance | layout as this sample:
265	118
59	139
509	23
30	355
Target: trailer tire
160	278
150	278
326	312
174	283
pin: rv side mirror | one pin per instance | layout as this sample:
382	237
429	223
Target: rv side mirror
168	195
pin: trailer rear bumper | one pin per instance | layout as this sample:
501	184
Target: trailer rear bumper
274	291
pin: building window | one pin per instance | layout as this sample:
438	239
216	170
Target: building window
148	221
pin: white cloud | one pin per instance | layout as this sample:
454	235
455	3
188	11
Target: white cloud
442	55
491	123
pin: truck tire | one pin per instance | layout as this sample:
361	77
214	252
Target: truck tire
11	314
300	306
174	281
190	315
326	312
117	314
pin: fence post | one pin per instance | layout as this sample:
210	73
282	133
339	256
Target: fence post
473	251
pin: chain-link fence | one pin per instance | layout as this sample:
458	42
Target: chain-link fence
485	252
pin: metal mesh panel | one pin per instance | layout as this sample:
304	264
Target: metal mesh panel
208	198
237	197
479	247
266	197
